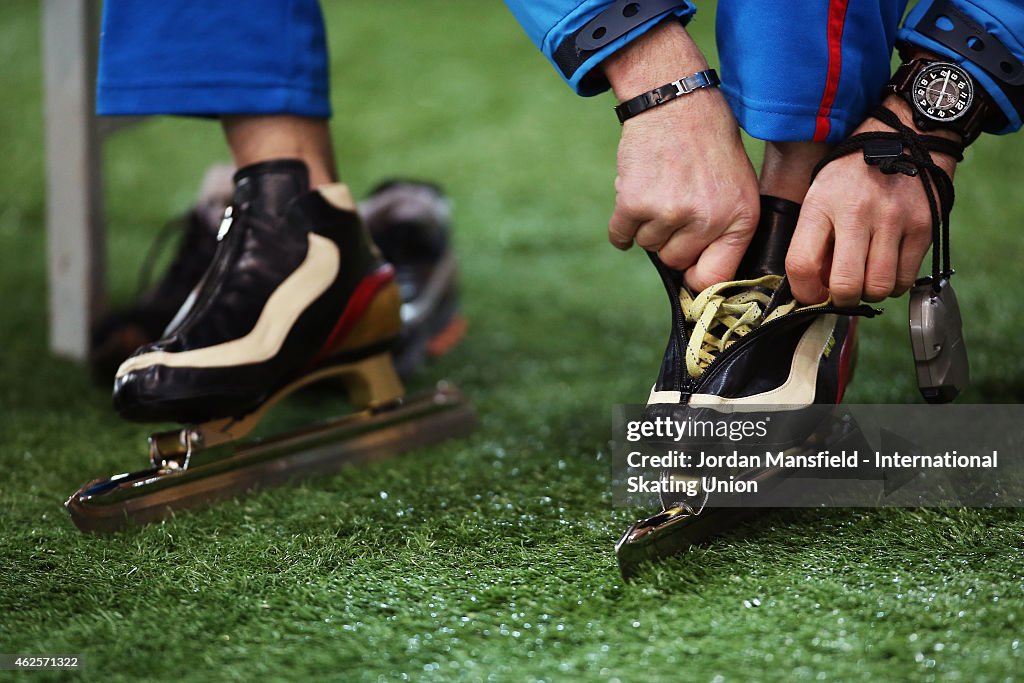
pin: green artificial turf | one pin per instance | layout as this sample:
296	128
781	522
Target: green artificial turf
488	558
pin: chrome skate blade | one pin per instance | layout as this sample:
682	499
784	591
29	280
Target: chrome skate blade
673	531
138	498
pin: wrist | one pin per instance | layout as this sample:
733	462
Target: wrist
663	54
901	108
903	111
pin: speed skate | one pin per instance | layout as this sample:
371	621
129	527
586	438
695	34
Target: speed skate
202	464
298	293
745	345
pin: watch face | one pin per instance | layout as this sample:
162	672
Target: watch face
943	92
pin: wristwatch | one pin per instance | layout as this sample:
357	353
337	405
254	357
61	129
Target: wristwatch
942	96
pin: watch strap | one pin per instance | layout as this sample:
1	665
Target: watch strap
666	93
903	77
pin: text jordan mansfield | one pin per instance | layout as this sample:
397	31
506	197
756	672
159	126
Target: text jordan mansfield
698	463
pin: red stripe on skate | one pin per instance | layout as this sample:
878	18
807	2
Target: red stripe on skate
846	357
836	23
445	340
365	291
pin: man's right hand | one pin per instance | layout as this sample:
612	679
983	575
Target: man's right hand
685	186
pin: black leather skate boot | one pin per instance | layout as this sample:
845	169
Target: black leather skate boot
410	221
748	341
295	286
744	345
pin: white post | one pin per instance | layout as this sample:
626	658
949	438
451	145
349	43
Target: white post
76	257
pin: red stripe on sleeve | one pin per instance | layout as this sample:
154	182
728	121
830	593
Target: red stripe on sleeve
836	22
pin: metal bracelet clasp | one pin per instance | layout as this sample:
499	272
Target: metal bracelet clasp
682	88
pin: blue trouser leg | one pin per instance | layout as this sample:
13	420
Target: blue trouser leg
213	57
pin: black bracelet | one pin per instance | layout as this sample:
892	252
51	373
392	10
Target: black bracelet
684	86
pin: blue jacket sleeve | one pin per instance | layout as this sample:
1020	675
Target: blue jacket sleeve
550	22
1002	19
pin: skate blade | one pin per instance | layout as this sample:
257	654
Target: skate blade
673	531
138	498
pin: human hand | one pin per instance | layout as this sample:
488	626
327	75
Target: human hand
862	234
685	186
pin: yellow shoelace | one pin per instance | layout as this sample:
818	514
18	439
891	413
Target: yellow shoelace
719	319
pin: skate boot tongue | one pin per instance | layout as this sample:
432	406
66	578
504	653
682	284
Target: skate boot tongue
269	187
766	254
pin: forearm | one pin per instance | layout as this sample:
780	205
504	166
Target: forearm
685	187
662	55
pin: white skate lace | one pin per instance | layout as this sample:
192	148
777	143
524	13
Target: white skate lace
719	319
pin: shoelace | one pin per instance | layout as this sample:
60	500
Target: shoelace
719	319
